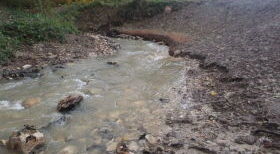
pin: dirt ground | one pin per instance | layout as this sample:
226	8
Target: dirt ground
233	77
38	56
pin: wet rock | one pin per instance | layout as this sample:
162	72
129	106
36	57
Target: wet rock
27	66
69	150
63	120
29	102
133	146
246	139
112	63
69	103
26	141
151	139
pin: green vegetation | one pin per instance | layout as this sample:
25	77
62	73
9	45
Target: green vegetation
31	28
31	21
7	45
22	27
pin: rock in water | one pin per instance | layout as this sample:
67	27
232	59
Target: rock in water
26	141
69	103
30	102
27	66
112	63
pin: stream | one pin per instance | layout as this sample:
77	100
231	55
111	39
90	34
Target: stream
121	101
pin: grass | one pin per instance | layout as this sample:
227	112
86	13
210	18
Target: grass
7	46
31	28
21	27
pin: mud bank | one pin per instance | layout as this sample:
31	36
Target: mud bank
30	60
171	39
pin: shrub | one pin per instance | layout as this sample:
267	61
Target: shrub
7	46
33	28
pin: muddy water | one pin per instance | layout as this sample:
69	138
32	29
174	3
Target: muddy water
121	101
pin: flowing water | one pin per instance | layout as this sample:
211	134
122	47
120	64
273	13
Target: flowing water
120	101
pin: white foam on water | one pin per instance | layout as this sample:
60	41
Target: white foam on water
11	85
81	83
84	95
7	105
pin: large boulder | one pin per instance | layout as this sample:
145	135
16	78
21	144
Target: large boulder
69	103
27	140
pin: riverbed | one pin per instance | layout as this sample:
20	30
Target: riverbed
125	96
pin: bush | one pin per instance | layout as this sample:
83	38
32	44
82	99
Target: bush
7	46
33	28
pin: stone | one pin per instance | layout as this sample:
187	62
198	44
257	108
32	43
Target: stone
27	140
30	102
151	139
69	150
213	93
111	146
69	103
112	63
133	146
27	66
